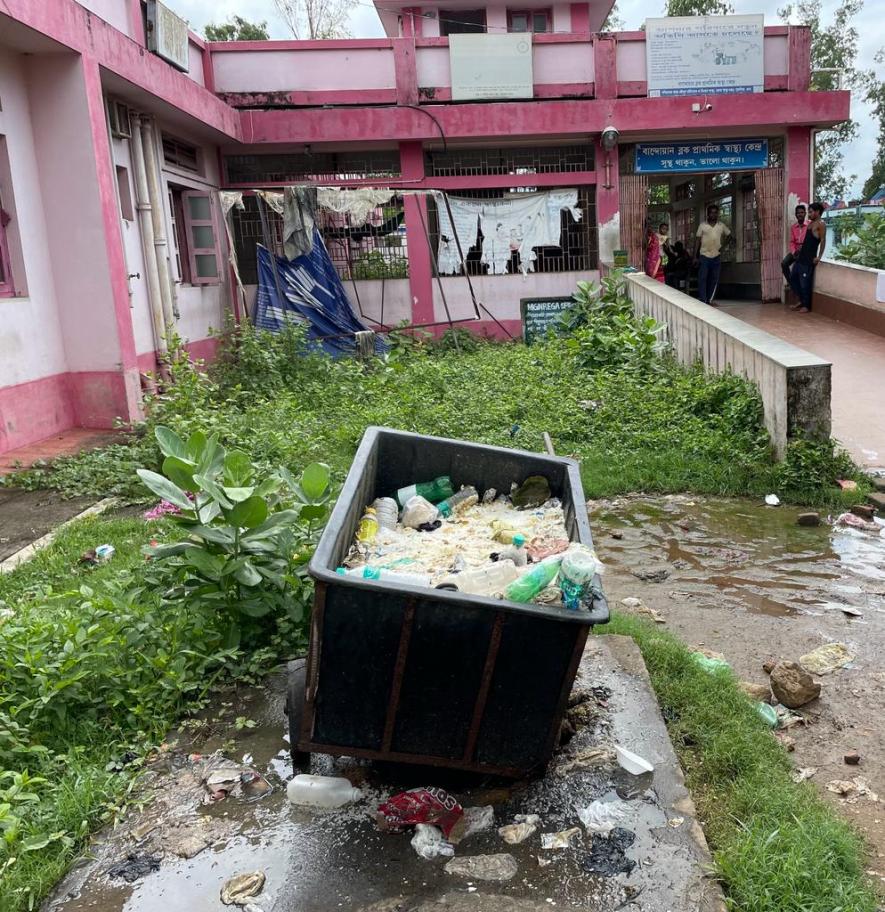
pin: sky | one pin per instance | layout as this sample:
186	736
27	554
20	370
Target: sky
364	23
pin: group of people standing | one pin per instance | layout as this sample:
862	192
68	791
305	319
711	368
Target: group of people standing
672	264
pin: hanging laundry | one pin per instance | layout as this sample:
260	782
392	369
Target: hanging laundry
465	213
230	199
299	218
358	204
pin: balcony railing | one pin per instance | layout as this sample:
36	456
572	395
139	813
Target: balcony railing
386	71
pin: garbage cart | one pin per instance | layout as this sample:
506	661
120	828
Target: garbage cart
429	676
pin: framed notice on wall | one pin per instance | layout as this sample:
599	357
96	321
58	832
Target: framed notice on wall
691	155
491	66
704	55
540	314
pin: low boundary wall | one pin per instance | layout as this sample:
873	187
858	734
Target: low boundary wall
795	385
850	294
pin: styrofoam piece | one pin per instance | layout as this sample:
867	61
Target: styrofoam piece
631	762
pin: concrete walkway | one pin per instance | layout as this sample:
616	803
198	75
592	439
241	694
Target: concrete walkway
66	443
858	359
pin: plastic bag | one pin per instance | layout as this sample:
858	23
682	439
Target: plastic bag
418	511
428	842
422	805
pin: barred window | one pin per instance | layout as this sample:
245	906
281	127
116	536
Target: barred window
314	167
528	160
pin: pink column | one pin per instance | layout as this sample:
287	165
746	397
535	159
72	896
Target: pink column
412	22
798	170
799	64
127	398
608	204
405	71
580	18
606	67
420	267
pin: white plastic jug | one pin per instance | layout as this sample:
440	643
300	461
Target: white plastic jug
321	791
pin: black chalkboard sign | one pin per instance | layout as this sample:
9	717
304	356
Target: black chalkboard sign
539	314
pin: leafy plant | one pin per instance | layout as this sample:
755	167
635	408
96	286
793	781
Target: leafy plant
245	554
373	265
867	246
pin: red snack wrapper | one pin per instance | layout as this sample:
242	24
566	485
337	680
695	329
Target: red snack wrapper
422	805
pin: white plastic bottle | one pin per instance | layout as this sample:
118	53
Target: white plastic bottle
321	791
516	551
386	576
483	580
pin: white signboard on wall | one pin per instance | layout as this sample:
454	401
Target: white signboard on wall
704	55
167	34
491	66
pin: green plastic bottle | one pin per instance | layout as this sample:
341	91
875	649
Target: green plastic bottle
434	491
530	584
459	501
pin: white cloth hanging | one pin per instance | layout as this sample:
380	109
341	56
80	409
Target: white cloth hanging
358	204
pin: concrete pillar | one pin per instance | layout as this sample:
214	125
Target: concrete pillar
608	204
420	266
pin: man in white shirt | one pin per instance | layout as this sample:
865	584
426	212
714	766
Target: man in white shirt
707	253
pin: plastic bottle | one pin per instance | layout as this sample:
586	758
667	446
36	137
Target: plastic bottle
516	551
579	566
321	791
482	580
461	500
530	584
502	532
387	512
386	576
434	491
368	527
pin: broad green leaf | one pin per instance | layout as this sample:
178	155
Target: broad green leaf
313	511
271	526
216	534
195	445
248	575
170	443
254	608
212	458
315	480
209	511
268	486
212	487
237	469
161	551
165	489
238	494
208	564
180	472
32	843
249	513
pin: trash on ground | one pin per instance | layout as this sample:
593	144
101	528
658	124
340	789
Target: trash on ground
134	866
824	659
711	663
852	789
422	805
240	889
792	685
787	719
476	819
254	785
561	840
587	759
105	552
222	777
767	713
637	606
857	522
675	822
429	843
603	816
321	791
515	833
607	854
772	500
631	762
483	867
801	773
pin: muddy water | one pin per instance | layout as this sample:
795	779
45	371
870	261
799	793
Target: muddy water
745	580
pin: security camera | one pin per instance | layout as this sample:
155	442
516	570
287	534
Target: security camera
609	138
708	106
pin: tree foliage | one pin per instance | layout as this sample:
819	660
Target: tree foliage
866	247
614	22
316	19
698	8
236	29
876	98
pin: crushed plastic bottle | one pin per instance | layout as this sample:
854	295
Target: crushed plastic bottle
386	576
579	566
482	580
516	551
387	512
466	497
538	578
321	791
434	491
368	527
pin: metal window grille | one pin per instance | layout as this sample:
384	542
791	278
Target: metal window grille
312	167
378	250
577	253
685	226
750	252
529	160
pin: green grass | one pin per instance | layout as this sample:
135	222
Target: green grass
778	847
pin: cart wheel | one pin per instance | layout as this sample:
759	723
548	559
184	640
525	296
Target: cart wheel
297	685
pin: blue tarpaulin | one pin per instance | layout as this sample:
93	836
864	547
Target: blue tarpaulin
311	291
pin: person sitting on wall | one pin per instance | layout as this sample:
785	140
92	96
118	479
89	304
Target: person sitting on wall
678	265
797	236
708	253
810	254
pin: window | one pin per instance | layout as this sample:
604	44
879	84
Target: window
195	236
181	155
6	287
124	192
12	267
462	22
537	21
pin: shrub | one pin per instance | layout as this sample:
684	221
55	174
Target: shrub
867	246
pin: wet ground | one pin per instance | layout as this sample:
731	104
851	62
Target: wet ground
746	581
27	515
320	861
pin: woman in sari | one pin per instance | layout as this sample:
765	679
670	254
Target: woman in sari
654	259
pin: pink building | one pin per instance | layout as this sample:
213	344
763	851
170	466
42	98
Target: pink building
111	159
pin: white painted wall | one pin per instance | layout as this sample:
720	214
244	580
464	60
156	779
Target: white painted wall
114	12
31	344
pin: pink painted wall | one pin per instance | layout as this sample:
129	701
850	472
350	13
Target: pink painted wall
563	63
195	63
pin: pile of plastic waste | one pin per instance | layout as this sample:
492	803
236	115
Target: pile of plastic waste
513	546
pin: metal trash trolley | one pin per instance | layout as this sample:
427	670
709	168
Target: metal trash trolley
409	674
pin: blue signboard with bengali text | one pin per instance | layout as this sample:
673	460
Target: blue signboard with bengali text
687	156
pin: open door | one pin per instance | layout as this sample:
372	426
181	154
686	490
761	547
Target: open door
634	212
770	206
